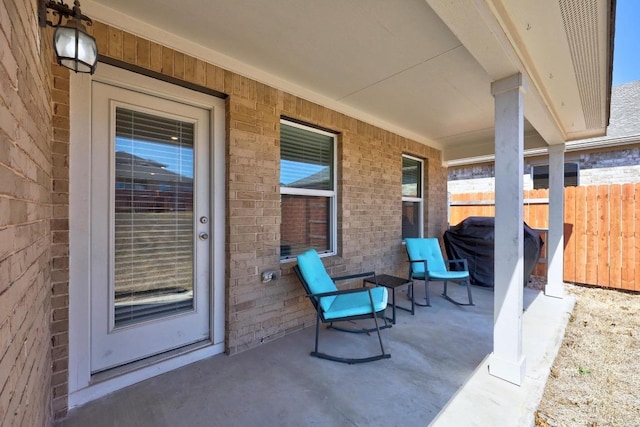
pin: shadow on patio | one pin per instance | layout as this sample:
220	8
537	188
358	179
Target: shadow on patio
434	354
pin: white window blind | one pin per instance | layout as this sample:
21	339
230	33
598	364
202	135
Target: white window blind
306	159
153	218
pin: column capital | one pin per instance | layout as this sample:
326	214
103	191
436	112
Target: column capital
556	148
515	81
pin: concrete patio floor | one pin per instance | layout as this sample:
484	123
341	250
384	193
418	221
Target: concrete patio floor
437	374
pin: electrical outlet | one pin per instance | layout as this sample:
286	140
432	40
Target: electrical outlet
267	276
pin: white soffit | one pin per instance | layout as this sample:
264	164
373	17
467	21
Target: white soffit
419	68
479	146
321	51
445	96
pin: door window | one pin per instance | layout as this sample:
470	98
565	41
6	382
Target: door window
153	218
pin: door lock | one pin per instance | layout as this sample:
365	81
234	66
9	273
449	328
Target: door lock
204	220
203	236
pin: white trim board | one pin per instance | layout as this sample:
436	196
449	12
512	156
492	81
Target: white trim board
82	387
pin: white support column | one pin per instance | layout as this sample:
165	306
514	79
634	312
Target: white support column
555	240
507	361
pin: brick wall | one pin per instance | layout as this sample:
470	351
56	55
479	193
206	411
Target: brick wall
597	167
369	196
60	240
26	208
610	167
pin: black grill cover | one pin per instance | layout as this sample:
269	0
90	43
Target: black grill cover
473	239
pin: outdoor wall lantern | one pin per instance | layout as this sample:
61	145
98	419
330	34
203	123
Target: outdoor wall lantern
75	49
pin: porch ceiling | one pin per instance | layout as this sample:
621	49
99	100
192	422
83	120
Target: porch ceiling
420	68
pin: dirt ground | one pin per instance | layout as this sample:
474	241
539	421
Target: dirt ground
595	379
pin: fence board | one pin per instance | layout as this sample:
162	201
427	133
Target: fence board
603	236
490	209
570	234
628	232
542	210
465	209
486	209
581	234
637	236
538	218
464	197
591	258
615	236
541	267
526	211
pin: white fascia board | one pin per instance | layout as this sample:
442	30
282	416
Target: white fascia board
571	146
602	143
142	29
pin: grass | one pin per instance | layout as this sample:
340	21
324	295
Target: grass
595	379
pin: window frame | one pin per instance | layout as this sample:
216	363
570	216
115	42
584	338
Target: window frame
332	195
419	199
537	185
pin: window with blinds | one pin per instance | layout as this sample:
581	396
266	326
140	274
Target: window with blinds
412	200
307	188
153	218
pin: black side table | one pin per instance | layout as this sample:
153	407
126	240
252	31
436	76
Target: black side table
393	282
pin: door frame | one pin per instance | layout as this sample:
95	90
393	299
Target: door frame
84	387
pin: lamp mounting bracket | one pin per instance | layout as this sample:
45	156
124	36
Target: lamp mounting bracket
60	9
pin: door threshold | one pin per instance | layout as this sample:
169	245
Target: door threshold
147	361
111	380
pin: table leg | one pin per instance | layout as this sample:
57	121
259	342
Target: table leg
413	300
393	306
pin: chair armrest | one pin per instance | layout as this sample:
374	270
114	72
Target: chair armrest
353	276
458	261
421	261
338	292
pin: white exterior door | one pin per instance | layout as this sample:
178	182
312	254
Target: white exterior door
151	289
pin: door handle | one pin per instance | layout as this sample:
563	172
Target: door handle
203	236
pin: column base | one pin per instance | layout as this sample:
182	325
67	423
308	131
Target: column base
508	370
554	290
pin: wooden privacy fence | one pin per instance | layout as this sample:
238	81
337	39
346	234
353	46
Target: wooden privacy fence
601	230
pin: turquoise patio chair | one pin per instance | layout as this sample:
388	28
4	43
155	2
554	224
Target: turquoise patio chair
426	263
333	305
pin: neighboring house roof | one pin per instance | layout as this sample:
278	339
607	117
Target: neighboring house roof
625	111
317	180
138	169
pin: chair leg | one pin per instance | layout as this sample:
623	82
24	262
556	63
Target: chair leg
427	292
468	284
469	292
317	333
427	295
358	331
353	361
383	355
